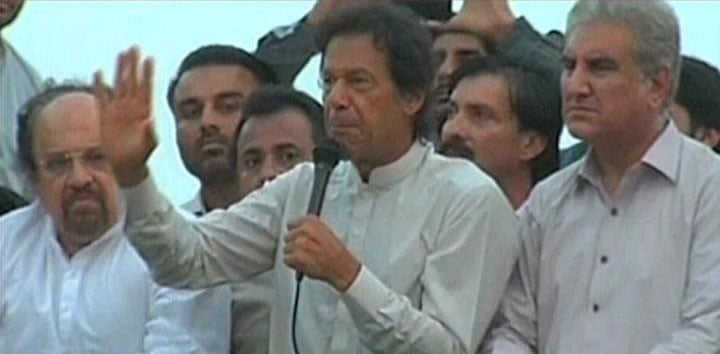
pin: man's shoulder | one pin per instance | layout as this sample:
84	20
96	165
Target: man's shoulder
21	229
457	175
557	186
698	160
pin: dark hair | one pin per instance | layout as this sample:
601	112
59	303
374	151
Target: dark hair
28	115
273	99
407	44
699	93
220	54
534	99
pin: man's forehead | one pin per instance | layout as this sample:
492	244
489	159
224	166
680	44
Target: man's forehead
210	80
598	40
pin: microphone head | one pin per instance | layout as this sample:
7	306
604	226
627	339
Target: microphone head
327	153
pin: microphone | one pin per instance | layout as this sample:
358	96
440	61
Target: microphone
325	157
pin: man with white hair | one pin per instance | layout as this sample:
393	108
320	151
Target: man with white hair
621	251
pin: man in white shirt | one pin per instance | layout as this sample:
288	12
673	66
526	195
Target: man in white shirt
18	82
621	250
412	250
71	283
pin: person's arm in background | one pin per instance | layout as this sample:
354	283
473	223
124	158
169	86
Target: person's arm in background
508	36
286	49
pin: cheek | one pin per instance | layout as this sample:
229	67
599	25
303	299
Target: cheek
228	126
51	196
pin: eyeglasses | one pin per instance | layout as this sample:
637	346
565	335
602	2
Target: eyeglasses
61	164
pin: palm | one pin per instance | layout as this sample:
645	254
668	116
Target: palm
126	118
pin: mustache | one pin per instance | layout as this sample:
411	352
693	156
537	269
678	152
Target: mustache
86	192
456	148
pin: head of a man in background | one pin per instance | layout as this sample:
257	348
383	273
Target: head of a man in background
696	109
507	119
60	149
450	50
9	10
206	98
280	128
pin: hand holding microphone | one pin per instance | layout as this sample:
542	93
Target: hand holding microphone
311	247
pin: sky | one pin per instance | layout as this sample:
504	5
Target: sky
71	39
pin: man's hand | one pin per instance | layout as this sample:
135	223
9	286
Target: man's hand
313	249
325	9
491	20
126	122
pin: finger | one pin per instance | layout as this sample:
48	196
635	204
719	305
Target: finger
132	74
120	73
295	224
147	81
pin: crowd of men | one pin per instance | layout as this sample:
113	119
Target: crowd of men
452	224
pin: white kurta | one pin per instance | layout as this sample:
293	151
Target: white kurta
436	237
100	301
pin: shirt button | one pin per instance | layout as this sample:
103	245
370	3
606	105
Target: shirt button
613	211
596	308
603	259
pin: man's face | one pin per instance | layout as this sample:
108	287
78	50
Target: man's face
450	51
208	105
271	145
9	9
605	94
483	123
74	180
364	111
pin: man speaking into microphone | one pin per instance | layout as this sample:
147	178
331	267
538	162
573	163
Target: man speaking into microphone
411	251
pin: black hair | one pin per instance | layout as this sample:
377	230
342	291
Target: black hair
534	99
220	54
699	93
273	99
406	43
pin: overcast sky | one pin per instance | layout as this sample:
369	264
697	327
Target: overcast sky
71	39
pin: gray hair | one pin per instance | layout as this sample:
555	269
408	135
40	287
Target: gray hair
655	28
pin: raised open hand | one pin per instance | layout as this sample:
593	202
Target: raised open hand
126	121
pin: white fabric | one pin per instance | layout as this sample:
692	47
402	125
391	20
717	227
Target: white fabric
436	237
100	301
637	273
251	302
18	83
195	206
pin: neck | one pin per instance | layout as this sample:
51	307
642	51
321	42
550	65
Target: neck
517	186
616	157
365	167
221	196
72	244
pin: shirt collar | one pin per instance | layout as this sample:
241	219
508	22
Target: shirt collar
397	170
663	156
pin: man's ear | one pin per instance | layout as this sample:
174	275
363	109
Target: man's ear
707	136
412	103
661	85
532	145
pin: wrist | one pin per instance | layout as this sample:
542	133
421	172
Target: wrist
348	276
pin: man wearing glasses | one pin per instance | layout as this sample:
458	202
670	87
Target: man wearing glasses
71	283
